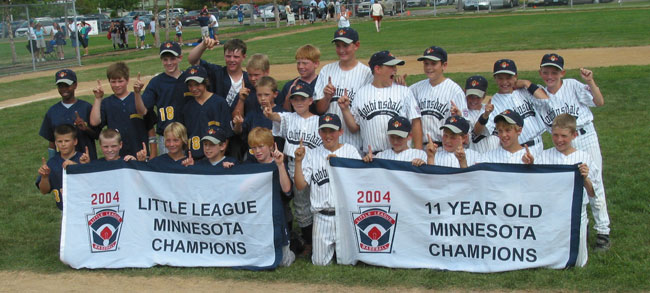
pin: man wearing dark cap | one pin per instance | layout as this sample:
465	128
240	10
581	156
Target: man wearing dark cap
437	95
165	93
71	111
378	102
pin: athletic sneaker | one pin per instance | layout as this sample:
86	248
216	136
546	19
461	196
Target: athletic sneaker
602	242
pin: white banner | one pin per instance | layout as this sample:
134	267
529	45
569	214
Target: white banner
119	214
487	218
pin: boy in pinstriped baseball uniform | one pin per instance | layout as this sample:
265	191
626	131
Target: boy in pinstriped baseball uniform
399	135
298	128
348	74
519	96
453	154
509	125
475	89
311	170
563	133
574	98
376	103
436	94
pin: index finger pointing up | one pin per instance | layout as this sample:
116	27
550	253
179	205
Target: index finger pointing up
329	80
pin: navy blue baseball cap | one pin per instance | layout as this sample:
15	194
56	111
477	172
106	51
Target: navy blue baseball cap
505	66
552	60
476	85
384	58
170	47
347	35
456	124
399	126
66	76
510	117
434	53
329	120
215	134
302	89
196	73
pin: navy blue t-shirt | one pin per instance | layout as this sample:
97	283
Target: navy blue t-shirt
213	112
122	116
58	114
56	176
168	95
203	20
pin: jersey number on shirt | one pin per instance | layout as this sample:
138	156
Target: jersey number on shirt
195	143
166	113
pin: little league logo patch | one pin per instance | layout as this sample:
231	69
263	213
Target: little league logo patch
193	71
168	45
104	227
504	64
553	58
375	229
62	74
341	32
474	83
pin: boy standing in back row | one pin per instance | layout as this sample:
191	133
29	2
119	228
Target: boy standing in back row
575	98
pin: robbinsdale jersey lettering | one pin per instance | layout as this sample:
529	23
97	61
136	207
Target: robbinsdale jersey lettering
500	155
374	107
435	104
407	155
521	102
350	80
294	128
448	159
314	168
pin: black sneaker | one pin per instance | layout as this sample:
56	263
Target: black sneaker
602	242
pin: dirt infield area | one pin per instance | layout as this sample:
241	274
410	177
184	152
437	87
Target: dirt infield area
462	62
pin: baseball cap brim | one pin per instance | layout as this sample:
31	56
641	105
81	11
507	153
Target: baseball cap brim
506	119
434	58
211	139
169	51
65	80
551	64
329	125
476	92
394	62
505	71
399	133
195	78
301	94
453	129
343	39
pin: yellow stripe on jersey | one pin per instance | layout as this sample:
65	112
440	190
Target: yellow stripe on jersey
136	116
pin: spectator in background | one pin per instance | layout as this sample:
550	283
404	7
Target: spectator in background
40	42
59	39
204	23
179	31
123	32
141	33
240	14
136	19
344	17
322	10
84	30
152	28
72	30
214	28
115	36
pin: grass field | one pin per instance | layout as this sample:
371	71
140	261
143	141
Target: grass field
30	224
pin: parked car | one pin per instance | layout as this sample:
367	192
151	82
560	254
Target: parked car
103	21
173	12
414	3
445	2
135	13
232	12
267	12
504	3
391	7
191	18
218	13
45	21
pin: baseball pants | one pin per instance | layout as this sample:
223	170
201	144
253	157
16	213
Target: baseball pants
302	206
324	239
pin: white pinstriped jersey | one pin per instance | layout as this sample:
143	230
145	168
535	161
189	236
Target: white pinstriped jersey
374	107
573	98
448	159
485	141
352	80
407	155
522	102
553	157
500	155
435	104
314	168
293	128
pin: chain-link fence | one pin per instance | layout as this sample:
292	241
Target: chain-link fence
37	37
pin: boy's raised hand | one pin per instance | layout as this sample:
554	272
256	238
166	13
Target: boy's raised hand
85	157
44	170
368	157
329	89
344	101
401	79
80	123
454	109
138	85
189	161
528	157
278	156
142	154
586	74
98	91
460	153
244	92
431	148
489	107
268	112
299	154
